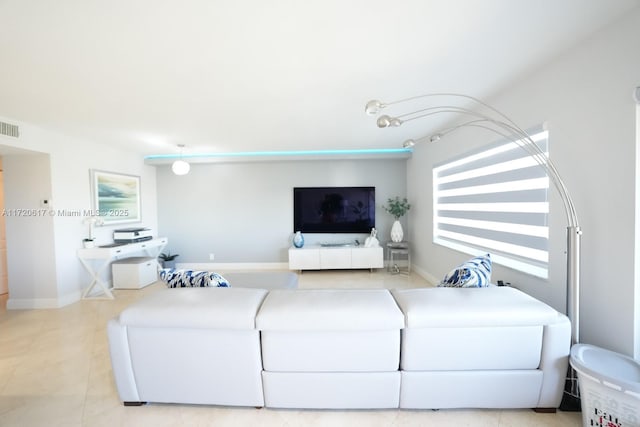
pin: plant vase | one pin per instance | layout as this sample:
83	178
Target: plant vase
168	260
397	234
398	208
298	240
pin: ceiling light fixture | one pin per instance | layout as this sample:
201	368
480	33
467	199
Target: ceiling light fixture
408	143
180	167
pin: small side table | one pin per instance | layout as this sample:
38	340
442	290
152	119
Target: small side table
395	251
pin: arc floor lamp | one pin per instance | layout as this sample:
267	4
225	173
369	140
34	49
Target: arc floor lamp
482	115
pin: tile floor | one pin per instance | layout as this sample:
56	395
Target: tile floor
55	371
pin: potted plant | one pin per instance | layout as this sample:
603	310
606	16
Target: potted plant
168	260
93	221
398	208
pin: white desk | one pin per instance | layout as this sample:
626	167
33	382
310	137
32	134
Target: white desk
105	255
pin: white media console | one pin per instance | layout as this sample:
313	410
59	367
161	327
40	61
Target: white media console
316	257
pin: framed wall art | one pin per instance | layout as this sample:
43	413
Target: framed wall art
116	197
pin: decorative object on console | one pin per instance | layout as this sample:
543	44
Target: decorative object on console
474	273
93	221
116	197
180	167
398	208
484	116
397	233
168	260
372	240
298	240
192	278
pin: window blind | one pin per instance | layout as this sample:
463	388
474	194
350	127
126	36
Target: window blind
495	201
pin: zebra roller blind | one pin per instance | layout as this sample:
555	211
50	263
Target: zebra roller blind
495	201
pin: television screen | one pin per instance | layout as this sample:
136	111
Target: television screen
334	209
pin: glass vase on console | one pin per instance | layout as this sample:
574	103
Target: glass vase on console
298	240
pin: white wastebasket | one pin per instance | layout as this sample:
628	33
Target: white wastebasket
609	387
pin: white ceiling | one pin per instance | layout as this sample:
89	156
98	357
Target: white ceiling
253	75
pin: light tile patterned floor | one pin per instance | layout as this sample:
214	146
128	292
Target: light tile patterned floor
55	371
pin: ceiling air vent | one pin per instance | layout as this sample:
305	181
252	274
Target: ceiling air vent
9	130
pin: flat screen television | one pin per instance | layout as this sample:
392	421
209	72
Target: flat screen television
334	209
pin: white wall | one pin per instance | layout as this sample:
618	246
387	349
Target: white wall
63	178
585	96
243	212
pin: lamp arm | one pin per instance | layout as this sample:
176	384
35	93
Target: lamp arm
507	128
523	139
374	106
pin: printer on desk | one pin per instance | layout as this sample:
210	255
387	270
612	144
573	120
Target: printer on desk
132	235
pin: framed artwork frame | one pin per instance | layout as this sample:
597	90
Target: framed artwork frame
116	197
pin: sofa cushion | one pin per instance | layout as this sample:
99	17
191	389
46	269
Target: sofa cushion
472	307
329	310
331	351
184	278
474	273
471	348
214	308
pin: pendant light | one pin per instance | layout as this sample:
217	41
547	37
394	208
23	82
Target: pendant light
180	167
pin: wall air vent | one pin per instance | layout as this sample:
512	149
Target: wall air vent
9	130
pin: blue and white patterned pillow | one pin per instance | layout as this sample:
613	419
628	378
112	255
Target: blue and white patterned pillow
217	280
192	278
474	273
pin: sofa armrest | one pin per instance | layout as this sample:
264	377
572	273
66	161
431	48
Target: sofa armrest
554	361
121	361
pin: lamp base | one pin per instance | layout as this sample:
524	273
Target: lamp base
571	395
570	403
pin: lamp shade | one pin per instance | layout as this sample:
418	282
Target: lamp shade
180	167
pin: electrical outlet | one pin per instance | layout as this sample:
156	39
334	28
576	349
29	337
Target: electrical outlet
212	257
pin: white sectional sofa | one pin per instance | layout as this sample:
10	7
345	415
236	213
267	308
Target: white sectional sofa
432	348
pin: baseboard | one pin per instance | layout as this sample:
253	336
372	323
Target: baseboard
431	279
222	266
42	303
